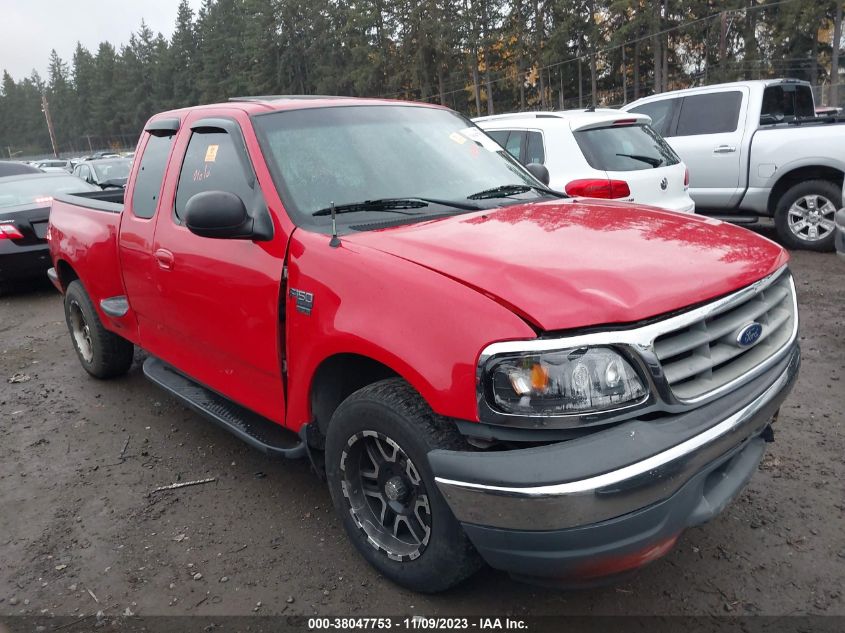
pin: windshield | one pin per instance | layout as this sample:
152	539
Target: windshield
625	148
111	169
40	190
344	155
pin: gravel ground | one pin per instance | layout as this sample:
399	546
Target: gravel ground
80	530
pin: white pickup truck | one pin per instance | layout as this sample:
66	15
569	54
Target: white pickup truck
756	148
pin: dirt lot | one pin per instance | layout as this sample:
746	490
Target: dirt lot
80	531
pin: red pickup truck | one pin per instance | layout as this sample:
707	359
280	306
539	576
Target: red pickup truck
483	369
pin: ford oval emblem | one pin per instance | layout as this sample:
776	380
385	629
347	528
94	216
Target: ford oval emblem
749	334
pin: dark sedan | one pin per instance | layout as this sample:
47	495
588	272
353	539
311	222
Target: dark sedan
24	210
12	168
104	172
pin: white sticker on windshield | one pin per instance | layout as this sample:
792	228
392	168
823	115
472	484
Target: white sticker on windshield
474	134
460	140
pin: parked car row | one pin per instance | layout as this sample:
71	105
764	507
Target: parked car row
25	201
69	164
597	154
740	151
756	148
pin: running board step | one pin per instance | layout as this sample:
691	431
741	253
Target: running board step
734	219
257	431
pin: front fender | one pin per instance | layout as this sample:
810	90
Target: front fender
426	327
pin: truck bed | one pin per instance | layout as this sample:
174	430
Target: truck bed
110	200
83	242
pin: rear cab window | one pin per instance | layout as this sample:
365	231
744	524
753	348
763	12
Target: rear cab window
148	180
211	163
785	102
625	148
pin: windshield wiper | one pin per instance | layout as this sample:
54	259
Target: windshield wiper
651	160
394	205
503	191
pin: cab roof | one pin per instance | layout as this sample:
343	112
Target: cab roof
267	103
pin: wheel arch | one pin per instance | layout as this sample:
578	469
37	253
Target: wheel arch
337	377
66	273
801	174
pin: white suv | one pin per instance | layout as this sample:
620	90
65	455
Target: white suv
597	154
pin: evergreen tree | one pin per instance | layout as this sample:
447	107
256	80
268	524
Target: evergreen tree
477	56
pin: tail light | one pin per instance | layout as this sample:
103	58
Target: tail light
598	188
686	176
9	231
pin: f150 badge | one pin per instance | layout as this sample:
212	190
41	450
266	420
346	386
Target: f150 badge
304	300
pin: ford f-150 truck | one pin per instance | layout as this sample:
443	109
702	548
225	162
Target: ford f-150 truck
756	148
483	369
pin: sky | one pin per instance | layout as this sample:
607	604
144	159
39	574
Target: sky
29	29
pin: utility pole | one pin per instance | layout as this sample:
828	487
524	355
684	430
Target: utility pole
45	108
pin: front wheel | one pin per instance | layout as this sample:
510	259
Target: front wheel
103	354
804	215
384	491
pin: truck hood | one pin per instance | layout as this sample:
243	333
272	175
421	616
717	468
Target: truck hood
571	263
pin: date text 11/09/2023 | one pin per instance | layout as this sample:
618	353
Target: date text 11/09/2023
419	622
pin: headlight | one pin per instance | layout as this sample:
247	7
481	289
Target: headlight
569	381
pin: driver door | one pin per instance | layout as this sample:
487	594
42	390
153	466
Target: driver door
218	318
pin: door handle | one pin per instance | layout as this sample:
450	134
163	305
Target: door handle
164	258
724	149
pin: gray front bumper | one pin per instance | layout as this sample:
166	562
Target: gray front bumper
652	460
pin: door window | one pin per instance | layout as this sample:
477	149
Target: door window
211	164
512	140
534	152
516	139
661	112
500	136
712	113
150	174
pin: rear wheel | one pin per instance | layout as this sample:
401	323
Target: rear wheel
384	491
103	354
804	215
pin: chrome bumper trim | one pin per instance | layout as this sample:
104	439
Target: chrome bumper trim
618	492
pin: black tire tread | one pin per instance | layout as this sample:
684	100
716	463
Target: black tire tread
113	354
400	398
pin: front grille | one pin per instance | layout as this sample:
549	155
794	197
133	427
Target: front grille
704	356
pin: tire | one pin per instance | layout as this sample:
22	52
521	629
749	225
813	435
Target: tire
804	215
103	354
430	551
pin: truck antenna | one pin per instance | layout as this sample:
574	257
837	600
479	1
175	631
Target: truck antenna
335	241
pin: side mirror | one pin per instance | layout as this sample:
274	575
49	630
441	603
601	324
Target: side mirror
539	172
218	214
